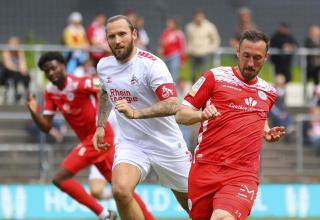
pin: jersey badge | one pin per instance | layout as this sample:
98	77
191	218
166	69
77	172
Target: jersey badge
134	80
195	88
70	96
262	95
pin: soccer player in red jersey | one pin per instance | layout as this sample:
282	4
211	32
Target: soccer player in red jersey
77	99
232	105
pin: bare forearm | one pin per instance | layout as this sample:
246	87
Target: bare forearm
188	116
104	109
43	123
266	126
160	109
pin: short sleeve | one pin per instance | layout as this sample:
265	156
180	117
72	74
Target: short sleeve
99	71
90	85
201	91
159	75
50	107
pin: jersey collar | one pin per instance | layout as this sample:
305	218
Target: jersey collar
237	74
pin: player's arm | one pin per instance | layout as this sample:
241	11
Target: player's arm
103	113
188	115
44	122
162	108
273	134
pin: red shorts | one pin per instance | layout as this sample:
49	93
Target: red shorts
219	187
84	155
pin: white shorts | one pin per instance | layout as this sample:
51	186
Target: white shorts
172	170
95	173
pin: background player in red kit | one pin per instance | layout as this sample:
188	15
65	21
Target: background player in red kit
77	99
232	104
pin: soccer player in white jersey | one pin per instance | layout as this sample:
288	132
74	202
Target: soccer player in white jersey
140	87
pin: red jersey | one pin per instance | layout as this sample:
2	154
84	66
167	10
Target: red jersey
172	42
234	138
96	33
78	103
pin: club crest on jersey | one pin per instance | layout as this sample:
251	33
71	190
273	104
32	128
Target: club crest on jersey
70	96
134	80
166	92
195	88
262	95
250	101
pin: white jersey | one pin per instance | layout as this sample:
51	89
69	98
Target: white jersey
137	82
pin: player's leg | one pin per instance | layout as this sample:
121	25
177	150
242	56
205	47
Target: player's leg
173	171
125	177
235	198
97	185
220	214
105	168
182	198
201	192
131	165
64	180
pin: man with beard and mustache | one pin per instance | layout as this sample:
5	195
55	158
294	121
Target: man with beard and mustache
77	99
140	87
232	105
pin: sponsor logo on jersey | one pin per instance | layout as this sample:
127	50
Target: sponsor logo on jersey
250	101
232	87
262	95
166	92
195	88
119	94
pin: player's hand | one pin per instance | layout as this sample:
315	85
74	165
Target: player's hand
209	112
123	107
274	134
98	139
32	104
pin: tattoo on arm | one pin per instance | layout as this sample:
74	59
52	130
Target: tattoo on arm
104	109
162	108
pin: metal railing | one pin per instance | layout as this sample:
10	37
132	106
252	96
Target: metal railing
301	53
300	139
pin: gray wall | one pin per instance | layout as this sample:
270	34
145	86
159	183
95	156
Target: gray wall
46	18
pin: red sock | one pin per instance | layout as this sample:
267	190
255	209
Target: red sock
74	189
147	215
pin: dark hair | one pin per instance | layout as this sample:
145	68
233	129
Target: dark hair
254	36
119	17
49	56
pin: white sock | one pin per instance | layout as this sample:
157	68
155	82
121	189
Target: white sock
107	194
105	213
